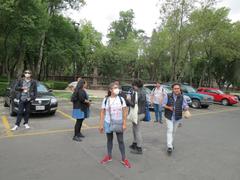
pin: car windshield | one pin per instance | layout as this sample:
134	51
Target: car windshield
220	92
41	88
147	90
190	89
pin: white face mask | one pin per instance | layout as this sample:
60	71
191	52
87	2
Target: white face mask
116	91
27	75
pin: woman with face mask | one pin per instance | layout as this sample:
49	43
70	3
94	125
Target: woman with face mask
113	108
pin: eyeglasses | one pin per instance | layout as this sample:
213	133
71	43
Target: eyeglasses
27	73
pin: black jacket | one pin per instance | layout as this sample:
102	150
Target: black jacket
141	101
80	102
32	90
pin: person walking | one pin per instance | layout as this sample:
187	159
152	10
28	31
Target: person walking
81	105
113	117
137	102
26	92
174	105
157	96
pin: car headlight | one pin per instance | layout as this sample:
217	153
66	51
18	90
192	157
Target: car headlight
53	101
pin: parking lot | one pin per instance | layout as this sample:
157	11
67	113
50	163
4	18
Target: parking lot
207	147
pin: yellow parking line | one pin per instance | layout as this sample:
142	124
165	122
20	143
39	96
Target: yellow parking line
7	126
70	117
45	132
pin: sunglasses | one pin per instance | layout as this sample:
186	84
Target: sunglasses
27	73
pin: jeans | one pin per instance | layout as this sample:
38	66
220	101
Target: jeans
23	110
171	131
158	112
137	135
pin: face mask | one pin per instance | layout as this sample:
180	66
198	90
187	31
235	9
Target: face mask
116	91
27	75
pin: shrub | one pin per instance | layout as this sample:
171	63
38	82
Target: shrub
57	85
3	86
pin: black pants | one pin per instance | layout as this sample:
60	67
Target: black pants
23	111
120	144
78	126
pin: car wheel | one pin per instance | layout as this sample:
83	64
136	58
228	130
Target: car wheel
205	106
52	113
11	109
196	103
225	102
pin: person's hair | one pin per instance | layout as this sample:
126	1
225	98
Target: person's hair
176	84
80	85
111	85
158	82
138	83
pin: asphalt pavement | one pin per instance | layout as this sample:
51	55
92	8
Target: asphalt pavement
207	147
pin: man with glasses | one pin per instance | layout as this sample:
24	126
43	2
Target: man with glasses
174	105
27	92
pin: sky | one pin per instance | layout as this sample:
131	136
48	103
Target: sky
102	12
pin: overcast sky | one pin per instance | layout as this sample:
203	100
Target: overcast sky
102	12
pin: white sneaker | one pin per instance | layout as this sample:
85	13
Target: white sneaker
14	128
27	126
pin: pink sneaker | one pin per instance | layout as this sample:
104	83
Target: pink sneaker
126	163
106	160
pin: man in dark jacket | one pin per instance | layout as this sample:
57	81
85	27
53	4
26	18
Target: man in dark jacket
137	98
26	92
174	104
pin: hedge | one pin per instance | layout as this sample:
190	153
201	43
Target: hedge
3	86
57	85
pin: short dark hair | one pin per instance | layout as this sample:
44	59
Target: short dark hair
138	83
176	84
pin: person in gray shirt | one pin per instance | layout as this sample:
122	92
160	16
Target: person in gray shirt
27	92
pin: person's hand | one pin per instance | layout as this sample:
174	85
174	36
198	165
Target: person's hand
124	126
170	108
101	129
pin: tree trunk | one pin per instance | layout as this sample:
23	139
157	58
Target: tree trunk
39	63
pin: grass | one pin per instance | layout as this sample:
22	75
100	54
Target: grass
67	96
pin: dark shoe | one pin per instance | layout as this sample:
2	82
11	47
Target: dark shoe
161	122
138	150
133	146
78	139
169	150
81	135
155	121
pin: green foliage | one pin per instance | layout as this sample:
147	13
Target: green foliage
57	85
3	86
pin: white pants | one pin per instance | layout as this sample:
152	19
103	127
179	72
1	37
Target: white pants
171	131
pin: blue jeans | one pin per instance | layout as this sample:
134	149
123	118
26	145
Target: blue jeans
158	112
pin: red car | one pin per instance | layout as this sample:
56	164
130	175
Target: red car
219	96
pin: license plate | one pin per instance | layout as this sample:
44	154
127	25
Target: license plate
39	108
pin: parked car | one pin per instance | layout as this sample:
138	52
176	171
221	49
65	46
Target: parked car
45	101
198	100
219	96
125	89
